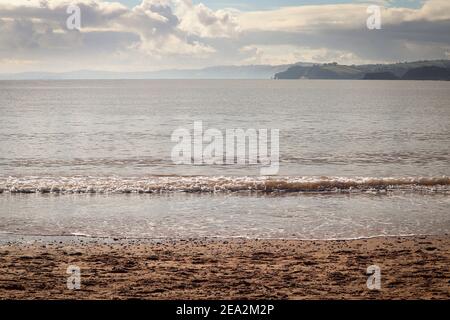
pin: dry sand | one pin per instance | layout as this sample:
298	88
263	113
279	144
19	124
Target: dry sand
411	268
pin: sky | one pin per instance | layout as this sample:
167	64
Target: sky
147	35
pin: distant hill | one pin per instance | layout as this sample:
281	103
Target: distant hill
427	70
419	70
324	71
218	72
400	69
427	73
380	76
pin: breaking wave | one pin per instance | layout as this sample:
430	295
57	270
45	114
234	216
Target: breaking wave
208	184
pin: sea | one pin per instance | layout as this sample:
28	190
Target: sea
95	159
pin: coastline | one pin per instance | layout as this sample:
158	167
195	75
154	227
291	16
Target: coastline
413	267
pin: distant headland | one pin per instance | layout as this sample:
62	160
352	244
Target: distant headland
418	70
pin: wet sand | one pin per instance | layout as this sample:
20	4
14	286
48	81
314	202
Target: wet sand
411	268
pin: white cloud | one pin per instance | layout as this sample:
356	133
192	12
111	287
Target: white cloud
154	29
201	21
338	16
288	54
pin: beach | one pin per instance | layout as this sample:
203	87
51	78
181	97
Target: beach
415	267
225	150
115	179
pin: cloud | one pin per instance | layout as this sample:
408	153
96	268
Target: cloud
338	16
339	32
155	30
178	33
201	21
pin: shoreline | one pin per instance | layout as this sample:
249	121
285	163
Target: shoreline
412	267
78	239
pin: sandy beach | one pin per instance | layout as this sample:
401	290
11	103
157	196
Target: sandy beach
411	268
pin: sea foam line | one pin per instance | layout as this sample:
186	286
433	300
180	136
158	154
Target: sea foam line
212	184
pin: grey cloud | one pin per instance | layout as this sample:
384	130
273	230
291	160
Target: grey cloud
430	40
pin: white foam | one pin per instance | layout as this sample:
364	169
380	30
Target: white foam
212	184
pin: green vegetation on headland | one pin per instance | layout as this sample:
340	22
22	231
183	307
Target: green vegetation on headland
419	70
